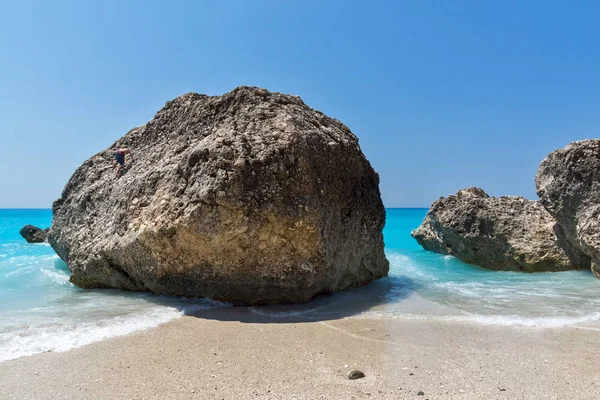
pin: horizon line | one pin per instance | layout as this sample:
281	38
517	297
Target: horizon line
50	208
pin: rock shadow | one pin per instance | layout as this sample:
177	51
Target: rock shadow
321	308
325	307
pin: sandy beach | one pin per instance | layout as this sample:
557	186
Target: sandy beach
234	353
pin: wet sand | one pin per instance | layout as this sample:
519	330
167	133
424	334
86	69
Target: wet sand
236	354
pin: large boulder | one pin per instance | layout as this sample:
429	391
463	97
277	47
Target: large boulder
568	183
251	197
501	233
33	234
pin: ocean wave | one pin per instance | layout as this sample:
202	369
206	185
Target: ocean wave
20	271
61	337
56	276
48	332
532	322
498	320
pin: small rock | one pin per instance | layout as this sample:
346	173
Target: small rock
411	374
356	374
33	234
421	394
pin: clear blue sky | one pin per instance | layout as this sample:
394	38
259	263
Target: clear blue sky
442	94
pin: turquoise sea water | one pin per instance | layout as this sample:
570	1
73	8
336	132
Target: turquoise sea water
41	311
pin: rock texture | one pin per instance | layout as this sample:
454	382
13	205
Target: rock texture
568	184
251	197
504	233
33	234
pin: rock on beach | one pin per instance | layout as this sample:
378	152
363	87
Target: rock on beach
568	184
33	234
250	197
500	233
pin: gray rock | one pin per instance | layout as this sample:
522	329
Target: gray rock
251	197
568	183
33	234
356	374
503	233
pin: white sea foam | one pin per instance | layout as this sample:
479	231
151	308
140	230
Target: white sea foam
48	329
591	320
42	311
20	271
29	340
543	322
57	277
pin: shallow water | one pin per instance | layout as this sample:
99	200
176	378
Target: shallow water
41	311
445	286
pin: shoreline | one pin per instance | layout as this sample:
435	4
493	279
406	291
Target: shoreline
232	353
